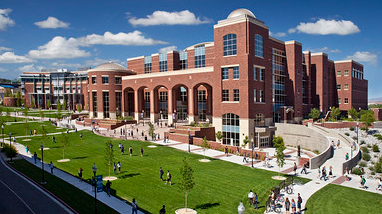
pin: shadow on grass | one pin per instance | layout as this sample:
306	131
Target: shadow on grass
206	205
77	158
129	175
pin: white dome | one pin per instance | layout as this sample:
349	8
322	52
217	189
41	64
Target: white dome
110	66
240	12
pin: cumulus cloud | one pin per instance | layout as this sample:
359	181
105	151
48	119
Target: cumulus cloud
10	57
324	49
326	27
167	49
5	21
53	23
5	49
98	61
364	56
184	17
63	48
29	68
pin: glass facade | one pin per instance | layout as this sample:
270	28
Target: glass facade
147	104
105	100
259	46
202	105
229	45
148	64
278	82
94	97
200	56
183	60
162	62
118	102
231	129
163	104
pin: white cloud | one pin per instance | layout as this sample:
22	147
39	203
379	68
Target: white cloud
5	21
167	49
98	61
52	22
28	68
184	17
3	70
325	27
5	49
324	49
280	34
364	56
63	48
10	57
65	65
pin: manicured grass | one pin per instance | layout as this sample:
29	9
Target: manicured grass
18	129
220	185
339	199
12	119
77	199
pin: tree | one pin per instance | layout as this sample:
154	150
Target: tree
109	155
7	113
32	103
87	106
58	106
48	104
79	107
25	112
219	135
367	117
314	114
64	139
2	122
64	105
245	141
205	145
44	136
278	143
334	113
1	111
353	113
186	179
151	130
41	113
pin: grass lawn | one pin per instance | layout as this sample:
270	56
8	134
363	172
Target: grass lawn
19	129
77	199
12	119
220	185
339	199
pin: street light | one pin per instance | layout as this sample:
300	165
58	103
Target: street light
189	140
253	148
94	168
357	132
10	143
42	164
2	127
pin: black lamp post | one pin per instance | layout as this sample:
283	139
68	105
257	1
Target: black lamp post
94	168
10	142
357	132
2	127
189	140
253	148
42	164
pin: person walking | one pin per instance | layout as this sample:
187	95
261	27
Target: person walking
168	179
161	173
141	152
295	168
122	150
299	202
293	205
80	174
303	169
163	210
379	187
323	173
347	156
119	167
115	168
226	151
319	172
338	144
35	157
250	197
51	167
81	136
120	146
131	151
27	149
244	158
330	172
108	185
287	205
54	139
255	201
134	206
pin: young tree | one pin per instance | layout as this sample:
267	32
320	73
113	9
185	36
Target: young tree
26	127
245	141
41	113
334	113
7	113
367	117
219	135
151	130
48	104
186	179
26	112
205	145
353	113
87	106
64	138
278	143
58	106
64	105
1	111
314	114
79	107
44	134
32	103
109	155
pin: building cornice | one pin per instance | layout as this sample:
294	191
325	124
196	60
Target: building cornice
239	19
170	73
347	61
135	58
276	40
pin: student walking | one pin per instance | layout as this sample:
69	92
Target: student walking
319	172
131	151
35	157
108	185
245	158
119	166
27	149
293	205
80	174
115	168
255	201
303	169
226	151
163	210
161	173
323	174
51	167
330	172
168	179
134	206
295	168
80	135
299	202
250	197
287	205
141	152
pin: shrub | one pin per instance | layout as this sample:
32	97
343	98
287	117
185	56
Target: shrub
362	164
354	137
378	165
347	134
371	168
351	128
10	151
375	148
363	142
368	146
364	149
316	152
366	157
373	173
357	171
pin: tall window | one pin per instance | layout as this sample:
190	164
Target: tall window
255	73
229	45
105	80
105	100
236	95
231	129
259	46
225	95
163	106
259	120
261	74
338	73
254	95
118	80
202	105
235	72
200	56
118	98
278	82
261	96
346	73
147	64
224	73
162	62
183	60
94	97
147	104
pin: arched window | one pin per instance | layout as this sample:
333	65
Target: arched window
259	46
231	129
229	45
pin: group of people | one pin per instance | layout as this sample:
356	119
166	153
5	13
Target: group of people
253	199
115	166
322	174
168	177
291	205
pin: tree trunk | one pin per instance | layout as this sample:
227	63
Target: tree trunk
109	170
186	200
63	153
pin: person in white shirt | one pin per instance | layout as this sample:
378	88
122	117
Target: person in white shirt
250	197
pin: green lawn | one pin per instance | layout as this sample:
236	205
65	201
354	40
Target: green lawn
77	199
220	185
339	199
19	129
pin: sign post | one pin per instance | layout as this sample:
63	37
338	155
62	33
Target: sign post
99	183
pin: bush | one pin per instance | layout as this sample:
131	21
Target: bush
375	148
372	173
362	164
366	157
354	138
351	128
363	142
368	146
378	136
316	152
10	151
371	168
364	149
378	165
357	171
347	134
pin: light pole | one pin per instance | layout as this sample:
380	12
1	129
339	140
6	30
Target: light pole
10	143
2	127
94	168
357	132
42	164
253	148
189	140
143	112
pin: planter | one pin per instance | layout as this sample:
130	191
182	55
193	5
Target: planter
185	211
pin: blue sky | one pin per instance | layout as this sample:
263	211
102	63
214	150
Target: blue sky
85	33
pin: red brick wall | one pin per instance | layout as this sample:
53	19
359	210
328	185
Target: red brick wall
377	113
9	101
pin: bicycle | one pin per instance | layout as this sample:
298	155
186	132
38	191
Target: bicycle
273	208
279	199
